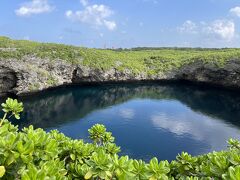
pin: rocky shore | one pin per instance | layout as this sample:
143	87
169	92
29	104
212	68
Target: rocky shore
32	74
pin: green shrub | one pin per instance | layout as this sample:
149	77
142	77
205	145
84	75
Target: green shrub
33	154
150	61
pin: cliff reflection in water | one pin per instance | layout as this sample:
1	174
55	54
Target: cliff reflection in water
52	108
147	120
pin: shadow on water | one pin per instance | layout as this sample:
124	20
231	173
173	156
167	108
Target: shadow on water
73	103
164	116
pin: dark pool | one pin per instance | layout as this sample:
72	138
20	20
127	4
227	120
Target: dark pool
146	119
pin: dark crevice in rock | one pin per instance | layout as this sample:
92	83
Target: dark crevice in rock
74	75
8	80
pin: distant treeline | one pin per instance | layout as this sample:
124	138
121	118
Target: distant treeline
168	48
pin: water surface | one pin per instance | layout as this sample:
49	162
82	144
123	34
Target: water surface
147	120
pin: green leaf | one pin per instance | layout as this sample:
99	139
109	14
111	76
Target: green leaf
2	171
72	156
88	175
10	159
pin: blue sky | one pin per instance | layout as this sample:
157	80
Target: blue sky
124	23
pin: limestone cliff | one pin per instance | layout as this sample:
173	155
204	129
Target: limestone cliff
32	74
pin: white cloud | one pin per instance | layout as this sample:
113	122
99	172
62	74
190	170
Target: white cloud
111	25
127	113
186	123
26	38
152	1
84	2
95	15
34	7
224	29
235	11
60	37
188	27
218	29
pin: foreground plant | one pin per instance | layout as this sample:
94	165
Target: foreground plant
33	154
12	107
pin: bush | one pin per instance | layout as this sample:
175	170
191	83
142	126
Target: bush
149	61
33	154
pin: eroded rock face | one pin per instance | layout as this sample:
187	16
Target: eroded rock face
228	75
85	74
8	80
33	74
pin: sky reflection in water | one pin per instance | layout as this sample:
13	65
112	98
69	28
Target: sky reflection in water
147	120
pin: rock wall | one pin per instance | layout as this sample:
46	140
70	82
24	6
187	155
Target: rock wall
33	74
227	75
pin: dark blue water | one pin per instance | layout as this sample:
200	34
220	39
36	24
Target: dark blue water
147	120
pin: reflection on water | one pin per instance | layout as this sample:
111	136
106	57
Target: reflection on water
147	120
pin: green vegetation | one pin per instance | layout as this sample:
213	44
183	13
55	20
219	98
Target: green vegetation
51	81
33	154
147	60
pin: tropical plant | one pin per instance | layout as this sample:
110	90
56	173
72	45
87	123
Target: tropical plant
13	107
33	154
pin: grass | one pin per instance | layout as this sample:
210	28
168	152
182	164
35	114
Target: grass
137	60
